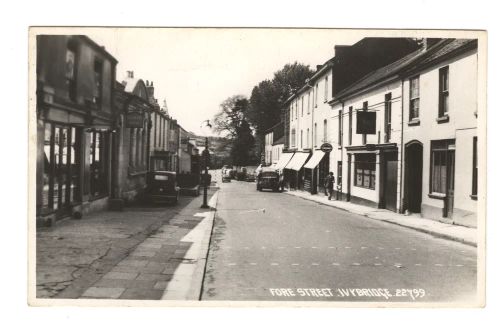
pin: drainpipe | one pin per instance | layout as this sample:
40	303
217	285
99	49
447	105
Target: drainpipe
342	149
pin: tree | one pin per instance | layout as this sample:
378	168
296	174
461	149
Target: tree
231	121
268	98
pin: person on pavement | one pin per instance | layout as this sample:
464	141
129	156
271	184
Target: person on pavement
329	181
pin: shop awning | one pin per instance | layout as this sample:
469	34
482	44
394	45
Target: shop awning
284	159
315	159
297	161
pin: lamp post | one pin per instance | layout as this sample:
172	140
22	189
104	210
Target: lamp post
205	158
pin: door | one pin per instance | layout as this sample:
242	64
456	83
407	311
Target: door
339	180
391	181
413	176
450	183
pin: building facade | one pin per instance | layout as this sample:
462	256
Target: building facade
75	123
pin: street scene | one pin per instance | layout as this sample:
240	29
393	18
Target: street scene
349	170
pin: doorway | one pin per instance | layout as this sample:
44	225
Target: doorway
391	180
413	176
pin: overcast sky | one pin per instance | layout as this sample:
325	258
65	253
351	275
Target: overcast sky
194	70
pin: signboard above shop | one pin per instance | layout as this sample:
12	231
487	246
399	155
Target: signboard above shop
134	119
366	122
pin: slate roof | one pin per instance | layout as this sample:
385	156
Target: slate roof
411	61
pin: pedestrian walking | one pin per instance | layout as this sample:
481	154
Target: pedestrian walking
329	182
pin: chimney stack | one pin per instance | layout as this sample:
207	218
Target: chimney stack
130	74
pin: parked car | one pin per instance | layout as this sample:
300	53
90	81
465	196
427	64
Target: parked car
226	176
250	177
241	175
162	187
269	178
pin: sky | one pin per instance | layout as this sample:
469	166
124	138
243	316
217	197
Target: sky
194	70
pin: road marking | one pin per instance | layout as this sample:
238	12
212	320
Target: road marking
246	248
253	263
274	264
328	231
297	247
356	264
335	264
263	247
314	247
418	264
377	264
413	249
331	247
363	247
397	248
438	265
347	247
314	264
398	265
381	248
295	264
281	247
231	264
459	265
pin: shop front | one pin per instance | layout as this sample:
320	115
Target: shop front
315	172
295	169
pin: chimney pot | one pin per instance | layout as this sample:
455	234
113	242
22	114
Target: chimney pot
130	74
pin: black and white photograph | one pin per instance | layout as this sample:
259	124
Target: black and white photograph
271	166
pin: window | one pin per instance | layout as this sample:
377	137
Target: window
302	113
326	88
474	167
301	138
309	102
442	164
70	71
98	82
443	91
61	170
340	129
365	108
325	131
414	98
98	163
315	134
388	117
293	135
365	170
350	126
307	138
316	96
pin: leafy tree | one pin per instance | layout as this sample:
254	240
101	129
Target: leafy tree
231	121
268	98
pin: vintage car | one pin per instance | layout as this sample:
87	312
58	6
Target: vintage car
226	174
250	176
269	178
162	187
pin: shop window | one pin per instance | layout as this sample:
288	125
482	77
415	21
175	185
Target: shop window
61	167
414	98
474	167
443	91
365	170
98	163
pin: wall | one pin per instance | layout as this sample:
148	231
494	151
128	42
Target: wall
376	101
461	126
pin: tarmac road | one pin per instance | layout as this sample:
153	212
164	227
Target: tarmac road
277	247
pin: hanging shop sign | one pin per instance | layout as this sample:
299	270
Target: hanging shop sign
366	122
134	119
326	147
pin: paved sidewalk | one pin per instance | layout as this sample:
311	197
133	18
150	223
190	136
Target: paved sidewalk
443	230
168	265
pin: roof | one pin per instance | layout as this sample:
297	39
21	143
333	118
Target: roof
411	61
279	141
